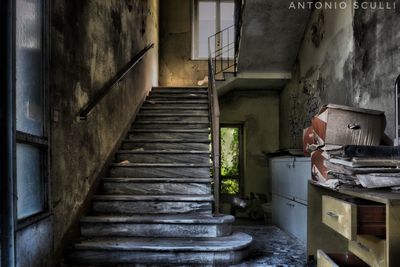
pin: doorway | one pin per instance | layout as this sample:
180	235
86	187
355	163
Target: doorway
231	138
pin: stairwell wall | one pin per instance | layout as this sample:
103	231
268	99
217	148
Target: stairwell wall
91	41
176	66
349	57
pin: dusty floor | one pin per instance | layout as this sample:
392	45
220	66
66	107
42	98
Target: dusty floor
272	247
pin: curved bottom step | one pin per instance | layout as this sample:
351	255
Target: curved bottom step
162	251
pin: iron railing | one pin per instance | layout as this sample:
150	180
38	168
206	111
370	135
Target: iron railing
84	112
223	51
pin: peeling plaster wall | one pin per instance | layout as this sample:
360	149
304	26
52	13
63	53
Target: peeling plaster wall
348	57
258	111
91	41
176	66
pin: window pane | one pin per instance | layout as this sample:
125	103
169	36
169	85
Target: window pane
230	187
207	25
230	152
29	98
29	181
227	20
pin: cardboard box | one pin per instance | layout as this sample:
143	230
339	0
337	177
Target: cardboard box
343	125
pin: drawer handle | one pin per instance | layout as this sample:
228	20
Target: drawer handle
363	247
290	204
353	126
332	215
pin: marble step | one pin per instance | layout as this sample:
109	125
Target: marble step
194	124
155	170
172	117
152	204
225	251
157	226
163	156
168	134
179	96
143	188
175	111
166	144
201	105
181	89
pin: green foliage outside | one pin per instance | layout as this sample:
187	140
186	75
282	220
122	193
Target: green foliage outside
230	160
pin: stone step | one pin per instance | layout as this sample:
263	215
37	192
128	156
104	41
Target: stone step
172	118
178	108
176	104
152	204
226	250
163	144
141	124
150	188
160	170
176	96
157	226
166	135
174	111
179	89
163	156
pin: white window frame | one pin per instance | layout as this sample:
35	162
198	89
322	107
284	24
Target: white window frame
195	25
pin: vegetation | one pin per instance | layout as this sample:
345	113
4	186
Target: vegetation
230	152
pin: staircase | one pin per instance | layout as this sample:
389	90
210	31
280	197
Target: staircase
155	208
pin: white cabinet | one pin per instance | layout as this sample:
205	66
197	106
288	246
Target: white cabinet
289	194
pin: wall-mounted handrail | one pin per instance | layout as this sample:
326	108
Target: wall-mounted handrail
84	112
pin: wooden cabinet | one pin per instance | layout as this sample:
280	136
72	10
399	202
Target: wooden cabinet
364	223
289	194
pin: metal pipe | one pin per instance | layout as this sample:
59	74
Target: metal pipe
7	133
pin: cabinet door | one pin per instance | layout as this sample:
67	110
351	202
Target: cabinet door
300	173
281	176
298	221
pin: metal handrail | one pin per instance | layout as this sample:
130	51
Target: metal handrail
214	55
214	118
84	112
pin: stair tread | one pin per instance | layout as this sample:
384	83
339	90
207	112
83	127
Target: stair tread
180	87
175	108
177	101
174	198
129	164
160	140
171	122
157	180
171	115
163	152
168	219
178	95
236	241
170	130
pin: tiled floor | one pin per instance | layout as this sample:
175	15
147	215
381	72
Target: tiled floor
272	247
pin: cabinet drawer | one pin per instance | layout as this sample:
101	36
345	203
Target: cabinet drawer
350	217
346	259
370	249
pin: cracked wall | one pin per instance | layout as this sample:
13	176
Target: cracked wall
347	57
91	41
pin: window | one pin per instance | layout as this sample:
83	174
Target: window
30	107
210	17
231	159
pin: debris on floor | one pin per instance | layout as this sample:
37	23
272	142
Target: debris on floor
272	247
